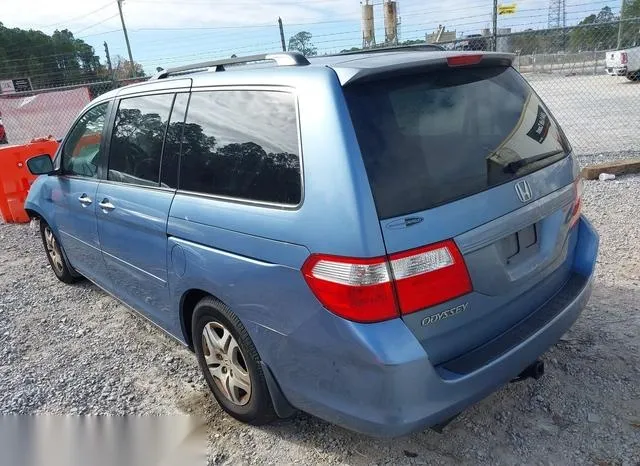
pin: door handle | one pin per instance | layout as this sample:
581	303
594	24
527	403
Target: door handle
85	200
106	205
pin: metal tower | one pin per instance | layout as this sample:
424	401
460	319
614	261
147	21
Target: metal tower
557	14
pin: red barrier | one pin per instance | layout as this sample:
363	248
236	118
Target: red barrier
15	178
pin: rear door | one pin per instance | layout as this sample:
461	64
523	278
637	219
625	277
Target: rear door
468	154
133	203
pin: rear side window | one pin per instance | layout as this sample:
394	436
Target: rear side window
136	143
242	145
433	138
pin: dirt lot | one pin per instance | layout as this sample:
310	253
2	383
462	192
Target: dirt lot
72	349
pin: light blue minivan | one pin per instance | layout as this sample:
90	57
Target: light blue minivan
380	239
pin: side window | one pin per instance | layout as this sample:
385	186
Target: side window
171	153
136	143
81	152
242	144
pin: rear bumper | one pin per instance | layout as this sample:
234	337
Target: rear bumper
617	71
386	386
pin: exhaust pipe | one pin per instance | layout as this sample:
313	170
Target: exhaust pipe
532	371
440	427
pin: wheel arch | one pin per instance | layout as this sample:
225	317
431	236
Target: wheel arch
33	214
188	303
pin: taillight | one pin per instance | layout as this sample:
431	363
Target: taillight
464	60
624	58
373	290
576	209
356	289
428	276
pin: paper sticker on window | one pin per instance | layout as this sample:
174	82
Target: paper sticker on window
541	127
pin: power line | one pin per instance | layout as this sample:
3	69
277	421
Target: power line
97	24
333	40
84	15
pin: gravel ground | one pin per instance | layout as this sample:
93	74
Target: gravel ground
72	349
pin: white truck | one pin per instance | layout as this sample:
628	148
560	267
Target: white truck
624	63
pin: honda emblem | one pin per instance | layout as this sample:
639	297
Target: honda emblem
523	190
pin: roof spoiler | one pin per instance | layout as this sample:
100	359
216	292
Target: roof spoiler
348	76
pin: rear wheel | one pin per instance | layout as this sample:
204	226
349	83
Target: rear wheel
230	363
634	76
56	256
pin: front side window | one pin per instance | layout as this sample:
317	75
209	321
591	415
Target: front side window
243	145
81	152
136	143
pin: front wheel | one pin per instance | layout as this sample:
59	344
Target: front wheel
230	363
634	76
55	255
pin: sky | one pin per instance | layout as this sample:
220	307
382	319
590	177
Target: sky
175	32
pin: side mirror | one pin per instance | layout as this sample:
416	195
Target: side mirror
40	164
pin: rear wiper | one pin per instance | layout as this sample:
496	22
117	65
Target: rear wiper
513	167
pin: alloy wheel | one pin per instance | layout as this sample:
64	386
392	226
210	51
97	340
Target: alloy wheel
226	363
53	249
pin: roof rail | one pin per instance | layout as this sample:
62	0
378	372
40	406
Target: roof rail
281	59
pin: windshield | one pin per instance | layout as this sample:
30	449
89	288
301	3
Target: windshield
432	138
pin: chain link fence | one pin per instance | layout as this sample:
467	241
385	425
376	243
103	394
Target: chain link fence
566	66
49	112
569	68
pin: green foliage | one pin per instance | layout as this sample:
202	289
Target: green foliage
122	69
413	42
630	34
595	32
352	49
302	43
56	60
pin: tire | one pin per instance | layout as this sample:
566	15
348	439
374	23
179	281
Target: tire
227	351
634	76
56	256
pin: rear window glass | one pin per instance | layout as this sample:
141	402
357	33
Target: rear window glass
432	138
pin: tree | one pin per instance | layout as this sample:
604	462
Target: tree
605	15
302	43
123	69
50	61
595	32
630	28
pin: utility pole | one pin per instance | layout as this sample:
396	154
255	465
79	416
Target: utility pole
126	39
109	67
622	2
495	25
112	75
284	45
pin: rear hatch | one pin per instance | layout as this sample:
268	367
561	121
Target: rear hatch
470	173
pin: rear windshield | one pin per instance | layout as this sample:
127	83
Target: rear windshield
432	138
